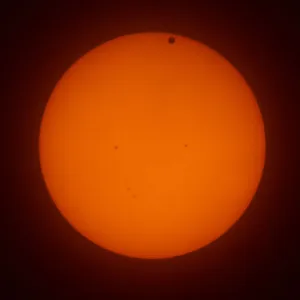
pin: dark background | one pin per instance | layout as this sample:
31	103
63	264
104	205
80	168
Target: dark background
45	258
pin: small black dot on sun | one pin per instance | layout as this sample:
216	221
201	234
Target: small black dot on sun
116	147
171	40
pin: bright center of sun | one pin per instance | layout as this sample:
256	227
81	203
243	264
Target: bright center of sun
152	145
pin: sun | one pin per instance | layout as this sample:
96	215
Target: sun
152	145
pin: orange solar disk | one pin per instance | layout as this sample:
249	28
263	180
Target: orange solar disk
152	145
